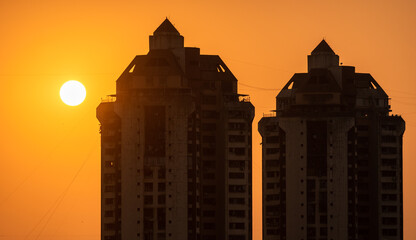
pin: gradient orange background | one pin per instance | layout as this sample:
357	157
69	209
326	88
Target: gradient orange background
50	152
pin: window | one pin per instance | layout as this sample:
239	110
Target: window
362	128
311	232
389	127
388	162
236	225
272	139
209	201
272	174
236	164
209	99
148	173
272	150
388	150
234	175
323	231
148	213
238	151
208	151
389	220
109	226
209	164
272	210
209	126
272	163
161	199
209	225
148	187
388	139
388	186
237	188
109	164
237	213
389	209
237	237
108	213
209	114
323	219
208	139
155	129
237	138
109	178
390	232
389	197
148	199
388	173
109	188
208	213
237	126
161	187
272	231
236	114
272	197
209	175
161	173
311	185
236	200
110	151
209	189
161	218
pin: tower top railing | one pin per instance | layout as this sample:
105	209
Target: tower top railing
270	114
109	98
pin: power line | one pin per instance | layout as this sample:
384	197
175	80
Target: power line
259	88
60	199
255	64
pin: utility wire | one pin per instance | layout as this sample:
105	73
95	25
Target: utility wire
60	199
255	64
259	88
20	185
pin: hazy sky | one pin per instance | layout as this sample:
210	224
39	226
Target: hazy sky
50	152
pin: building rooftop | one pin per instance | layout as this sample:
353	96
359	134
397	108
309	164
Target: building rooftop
323	47
166	27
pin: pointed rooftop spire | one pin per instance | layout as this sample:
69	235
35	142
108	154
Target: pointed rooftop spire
323	47
166	27
166	37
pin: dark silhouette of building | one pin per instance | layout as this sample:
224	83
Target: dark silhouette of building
176	148
332	157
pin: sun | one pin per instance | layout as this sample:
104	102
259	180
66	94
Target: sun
72	93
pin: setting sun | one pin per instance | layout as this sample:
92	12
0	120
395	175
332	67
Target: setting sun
73	93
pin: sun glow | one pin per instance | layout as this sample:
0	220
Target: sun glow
72	93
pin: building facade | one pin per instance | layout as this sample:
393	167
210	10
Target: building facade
332	157
176	147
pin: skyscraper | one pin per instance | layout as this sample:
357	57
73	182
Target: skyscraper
176	147
332	157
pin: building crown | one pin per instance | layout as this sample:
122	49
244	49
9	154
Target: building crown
322	57
323	47
166	36
166	28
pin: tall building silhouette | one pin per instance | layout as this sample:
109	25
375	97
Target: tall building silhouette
332	157
176	147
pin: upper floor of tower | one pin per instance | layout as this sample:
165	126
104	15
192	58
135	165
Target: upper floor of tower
322	57
330	87
166	36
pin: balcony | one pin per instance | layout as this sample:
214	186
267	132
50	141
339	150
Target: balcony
109	98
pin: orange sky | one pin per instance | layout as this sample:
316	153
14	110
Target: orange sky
49	152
